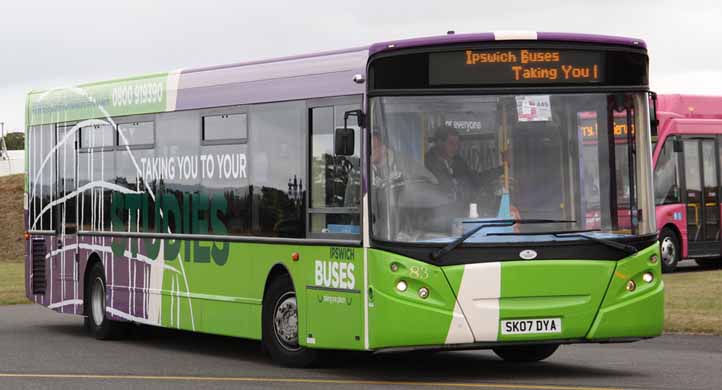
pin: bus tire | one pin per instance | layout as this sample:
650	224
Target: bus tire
709	263
526	353
96	321
279	336
669	249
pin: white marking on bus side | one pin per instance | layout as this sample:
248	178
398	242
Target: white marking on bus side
514	35
107	249
90	186
68	302
171	88
120	314
366	270
478	298
62	142
172	301
459	331
177	306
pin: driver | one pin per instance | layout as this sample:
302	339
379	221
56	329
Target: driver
465	185
450	169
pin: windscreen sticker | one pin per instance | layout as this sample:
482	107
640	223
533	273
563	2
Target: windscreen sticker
535	108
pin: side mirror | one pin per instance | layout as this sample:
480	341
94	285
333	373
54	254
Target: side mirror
343	141
678	146
653	121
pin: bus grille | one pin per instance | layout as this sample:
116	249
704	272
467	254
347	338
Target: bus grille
38	279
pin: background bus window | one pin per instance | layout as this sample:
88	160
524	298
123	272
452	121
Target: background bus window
335	184
666	175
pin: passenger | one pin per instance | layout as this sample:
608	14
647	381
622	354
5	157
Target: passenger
382	158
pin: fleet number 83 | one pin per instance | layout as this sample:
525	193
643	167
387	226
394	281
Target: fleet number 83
418	272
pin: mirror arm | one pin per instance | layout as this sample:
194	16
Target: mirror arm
654	122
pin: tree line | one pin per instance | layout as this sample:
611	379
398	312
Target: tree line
15	141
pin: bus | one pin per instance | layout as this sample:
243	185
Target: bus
686	179
428	193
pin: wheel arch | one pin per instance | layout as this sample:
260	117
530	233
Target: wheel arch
277	270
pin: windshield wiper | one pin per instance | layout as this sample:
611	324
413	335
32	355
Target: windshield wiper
629	249
492	223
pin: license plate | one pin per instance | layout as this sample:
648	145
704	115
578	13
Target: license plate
532	326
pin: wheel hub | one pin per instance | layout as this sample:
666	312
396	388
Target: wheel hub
97	299
285	322
669	251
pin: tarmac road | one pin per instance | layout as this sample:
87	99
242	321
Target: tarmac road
40	349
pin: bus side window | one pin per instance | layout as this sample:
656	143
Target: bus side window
335	180
666	175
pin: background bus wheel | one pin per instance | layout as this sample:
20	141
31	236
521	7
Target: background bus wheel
280	326
96	321
669	248
526	353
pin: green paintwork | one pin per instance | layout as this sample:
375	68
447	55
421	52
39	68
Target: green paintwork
639	313
403	318
569	289
227	299
130	96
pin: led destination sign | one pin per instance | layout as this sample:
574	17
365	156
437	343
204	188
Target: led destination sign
515	66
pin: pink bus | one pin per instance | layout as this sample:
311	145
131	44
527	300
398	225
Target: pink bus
686	160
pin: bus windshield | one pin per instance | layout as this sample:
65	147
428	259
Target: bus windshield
441	165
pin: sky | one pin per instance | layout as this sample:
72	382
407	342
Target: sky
49	43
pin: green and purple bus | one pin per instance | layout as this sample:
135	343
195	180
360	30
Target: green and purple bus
431	193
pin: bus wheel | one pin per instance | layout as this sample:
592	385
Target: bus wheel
669	247
280	326
526	353
96	321
709	263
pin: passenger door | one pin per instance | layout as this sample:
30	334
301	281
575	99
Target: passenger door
702	196
334	291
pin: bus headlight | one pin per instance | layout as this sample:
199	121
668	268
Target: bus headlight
648	277
401	285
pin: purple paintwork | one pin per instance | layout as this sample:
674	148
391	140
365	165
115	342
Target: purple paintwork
277	59
291	78
321	74
592	38
120	272
489	37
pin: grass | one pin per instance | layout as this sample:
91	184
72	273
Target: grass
12	248
12	283
11	218
693	302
